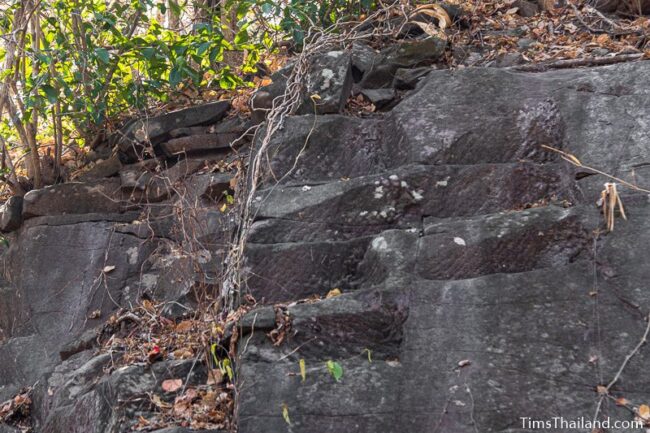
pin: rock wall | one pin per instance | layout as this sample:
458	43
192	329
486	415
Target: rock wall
478	283
474	265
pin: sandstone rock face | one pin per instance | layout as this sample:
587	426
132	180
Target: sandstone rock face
478	283
156	129
466	254
328	84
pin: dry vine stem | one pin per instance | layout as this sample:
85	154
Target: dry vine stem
317	40
628	357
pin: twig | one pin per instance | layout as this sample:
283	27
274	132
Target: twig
572	63
296	349
575	161
626	361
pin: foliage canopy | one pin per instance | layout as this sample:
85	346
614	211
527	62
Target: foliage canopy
69	66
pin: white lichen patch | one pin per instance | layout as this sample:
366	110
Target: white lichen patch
132	254
460	241
204	256
443	182
417	195
335	54
379	244
306	188
379	192
328	76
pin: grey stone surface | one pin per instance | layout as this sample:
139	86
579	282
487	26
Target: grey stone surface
73	198
328	84
155	129
454	236
478	283
48	313
104	168
11	214
198	143
407	54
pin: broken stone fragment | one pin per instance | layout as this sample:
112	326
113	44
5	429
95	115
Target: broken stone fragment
407	78
102	168
154	130
328	84
379	97
404	55
73	198
198	143
11	214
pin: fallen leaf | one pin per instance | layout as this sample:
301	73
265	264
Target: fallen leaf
464	363
332	293
107	269
184	326
303	369
154	354
621	401
602	390
157	401
644	412
215	377
436	11
172	385
285	413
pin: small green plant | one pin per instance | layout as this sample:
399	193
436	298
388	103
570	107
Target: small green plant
335	370
224	365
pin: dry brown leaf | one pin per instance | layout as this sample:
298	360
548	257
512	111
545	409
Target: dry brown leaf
621	401
332	293
172	385
427	28
436	11
644	412
215	377
148	305
602	390
603	39
185	326
185	353
157	401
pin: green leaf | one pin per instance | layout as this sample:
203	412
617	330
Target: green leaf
335	370
175	76
44	58
51	93
176	9
203	48
102	54
148	52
